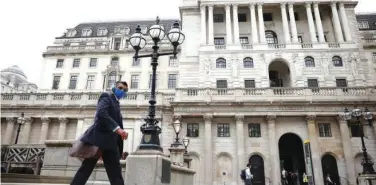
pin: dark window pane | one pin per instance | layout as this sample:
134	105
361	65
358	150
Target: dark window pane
341	82
221	83
223	130
192	130
219	41
56	82
249	84
73	82
312	83
271	37
218	18
221	63
309	62
59	63
248	62
268	17
254	130
242	17
337	61
76	62
114	61
325	130
355	130
93	62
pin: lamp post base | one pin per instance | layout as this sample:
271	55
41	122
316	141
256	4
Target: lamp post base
367	179
150	138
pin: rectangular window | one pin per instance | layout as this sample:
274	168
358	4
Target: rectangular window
172	81
324	130
136	62
300	39
90	82
192	130
219	41
73	82
56	82
341	83
223	130
218	18
117	43
134	81
312	83
243	40
254	130
59	63
363	24
242	17
173	62
355	130
268	17
156	80
76	63
249	84
221	83
93	62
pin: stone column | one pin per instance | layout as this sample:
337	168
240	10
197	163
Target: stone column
345	23
311	25
25	131
253	23
294	32
44	129
336	23
208	147
9	130
228	25
203	25
261	23
273	153
285	24
318	22
211	26
236	23
62	128
315	150
240	143
347	149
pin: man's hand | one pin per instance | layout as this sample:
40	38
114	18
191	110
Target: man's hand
122	134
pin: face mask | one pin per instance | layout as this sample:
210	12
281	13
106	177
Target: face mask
118	93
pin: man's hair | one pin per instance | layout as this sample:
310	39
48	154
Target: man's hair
122	82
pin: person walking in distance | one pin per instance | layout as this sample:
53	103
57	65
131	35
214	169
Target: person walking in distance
108	135
305	179
248	175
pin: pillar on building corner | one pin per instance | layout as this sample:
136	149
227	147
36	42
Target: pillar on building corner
336	23
44	129
25	131
62	127
311	24
252	10
294	31
315	150
211	25
208	158
285	23
261	23
228	24
9	130
347	148
240	143
203	25
274	152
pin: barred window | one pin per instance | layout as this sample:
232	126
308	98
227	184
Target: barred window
223	130
220	63
337	61
312	83
76	63
248	62
324	130
172	81
56	82
221	83
173	61
192	130
218	18
243	40
249	84
93	62
59	63
90	82
341	83
219	41
73	82
254	130
309	62
134	81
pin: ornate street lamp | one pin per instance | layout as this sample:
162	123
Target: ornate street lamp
186	144
366	161
177	128
20	120
150	129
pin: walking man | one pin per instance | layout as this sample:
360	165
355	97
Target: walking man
108	135
248	175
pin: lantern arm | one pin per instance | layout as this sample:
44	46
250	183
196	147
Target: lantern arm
136	56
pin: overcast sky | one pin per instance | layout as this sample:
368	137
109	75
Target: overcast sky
29	26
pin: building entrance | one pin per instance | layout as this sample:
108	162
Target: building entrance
329	167
257	170
291	156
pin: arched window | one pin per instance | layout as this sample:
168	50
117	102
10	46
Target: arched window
337	61
114	61
111	80
221	63
271	37
309	62
248	62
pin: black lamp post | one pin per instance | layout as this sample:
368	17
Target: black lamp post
150	129
177	128
366	161
20	120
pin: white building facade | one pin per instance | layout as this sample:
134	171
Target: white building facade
14	80
253	82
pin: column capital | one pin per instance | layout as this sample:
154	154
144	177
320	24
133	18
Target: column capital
333	4
177	117
251	5
308	4
45	120
11	120
203	7
342	118
259	4
239	118
311	117
341	4
208	117
210	6
28	120
63	120
227	6
271	118
290	4
283	4
234	5
315	4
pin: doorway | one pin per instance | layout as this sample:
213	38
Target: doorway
329	166
257	170
291	156
279	74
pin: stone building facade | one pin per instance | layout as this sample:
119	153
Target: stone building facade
14	80
253	82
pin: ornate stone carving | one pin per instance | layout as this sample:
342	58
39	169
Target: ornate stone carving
271	118
311	117
28	120
342	118
208	117
63	120
11	120
239	118
177	117
45	120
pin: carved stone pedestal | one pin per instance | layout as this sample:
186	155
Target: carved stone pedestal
366	180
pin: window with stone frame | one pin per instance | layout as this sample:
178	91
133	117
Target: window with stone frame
117	43
268	16
355	130
341	82
173	62
172	79
114	61
59	63
56	82
254	130
325	130
243	40
249	84
242	17
221	84
93	62
135	81
90	81
337	61
220	63
73	82
76	63
309	61
271	37
192	130
219	41
223	130
136	62
248	62
218	18
111	79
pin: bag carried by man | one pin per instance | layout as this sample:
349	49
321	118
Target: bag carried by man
85	150
242	174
